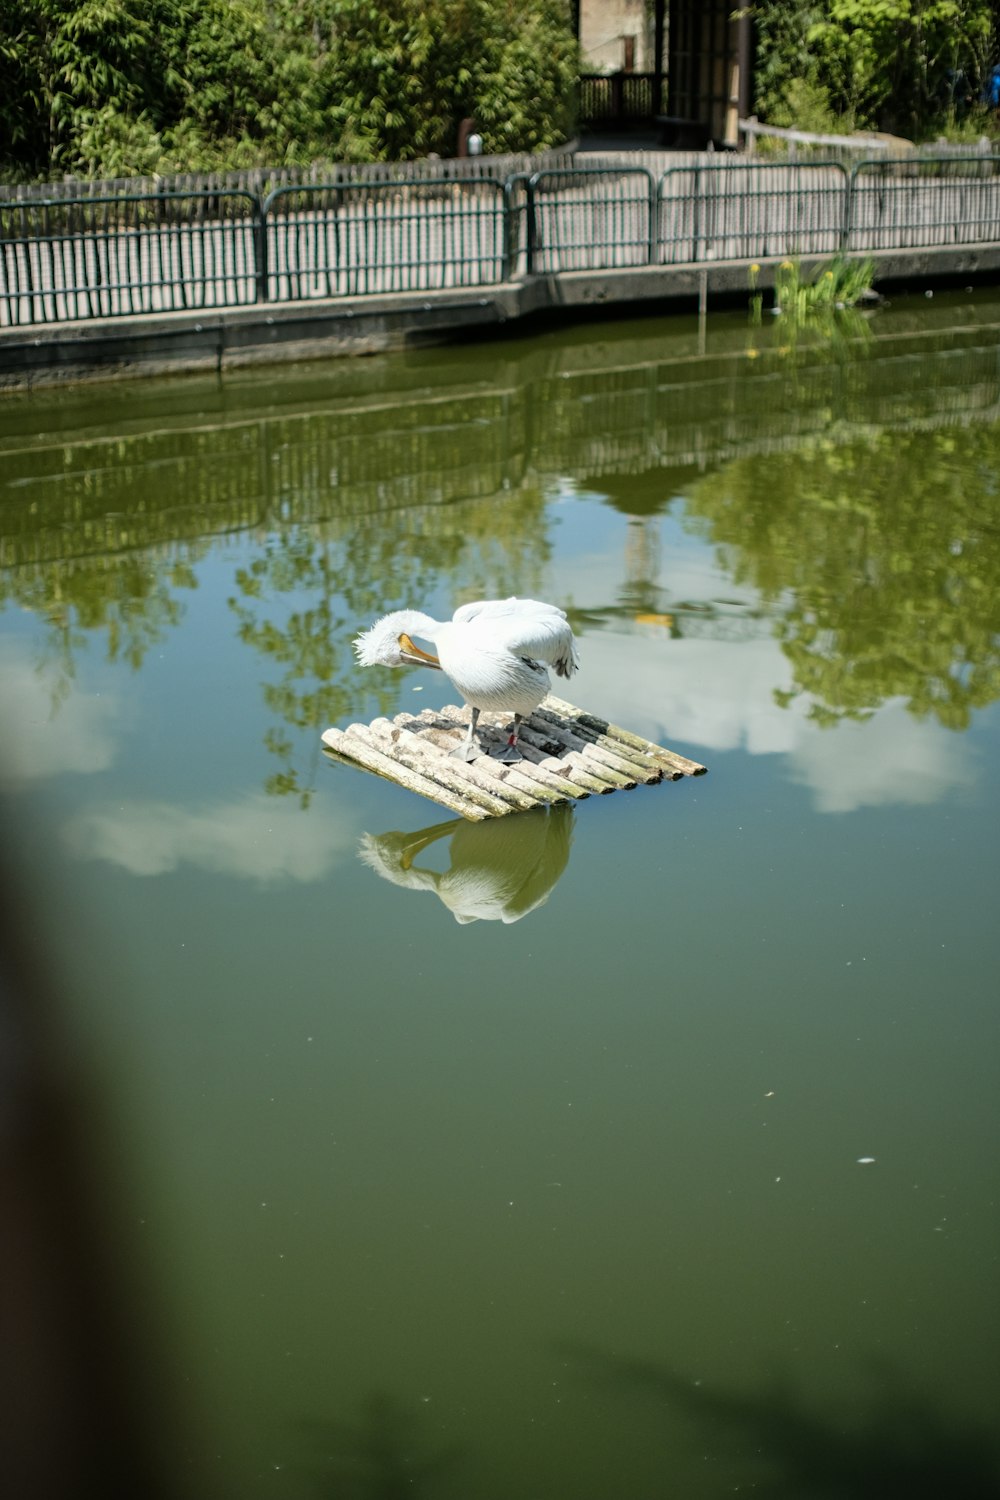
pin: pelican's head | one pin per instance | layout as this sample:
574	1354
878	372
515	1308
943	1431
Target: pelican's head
389	644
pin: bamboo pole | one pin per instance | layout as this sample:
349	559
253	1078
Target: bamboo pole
464	777
566	753
530	774
603	761
352	744
570	764
636	741
624	758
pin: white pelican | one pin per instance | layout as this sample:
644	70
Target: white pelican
494	651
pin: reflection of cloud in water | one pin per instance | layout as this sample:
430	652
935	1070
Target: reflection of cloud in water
892	758
498	870
255	837
720	695
37	740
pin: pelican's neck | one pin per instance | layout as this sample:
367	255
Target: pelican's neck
415	622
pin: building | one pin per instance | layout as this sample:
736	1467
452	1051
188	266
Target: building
682	66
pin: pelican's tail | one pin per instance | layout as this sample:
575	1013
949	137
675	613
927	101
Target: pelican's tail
567	662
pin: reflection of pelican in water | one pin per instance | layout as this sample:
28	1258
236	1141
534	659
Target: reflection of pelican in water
495	652
499	871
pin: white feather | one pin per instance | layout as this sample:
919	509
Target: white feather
379	646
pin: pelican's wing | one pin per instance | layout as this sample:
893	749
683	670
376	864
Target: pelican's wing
502	609
526	627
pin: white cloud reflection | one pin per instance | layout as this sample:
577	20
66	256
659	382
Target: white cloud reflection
893	758
254	837
39	738
719	695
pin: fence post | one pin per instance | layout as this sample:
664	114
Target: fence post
510	217
696	216
531	237
845	241
260	249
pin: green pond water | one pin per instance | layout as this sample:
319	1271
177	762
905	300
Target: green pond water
679	1182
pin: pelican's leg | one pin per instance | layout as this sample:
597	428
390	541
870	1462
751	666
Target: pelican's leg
511	754
468	749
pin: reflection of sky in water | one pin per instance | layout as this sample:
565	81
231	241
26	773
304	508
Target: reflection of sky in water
719	694
42	736
376	1147
256	837
691	691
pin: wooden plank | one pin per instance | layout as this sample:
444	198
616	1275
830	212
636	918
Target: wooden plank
624	757
506	781
351	744
567	753
615	733
464	777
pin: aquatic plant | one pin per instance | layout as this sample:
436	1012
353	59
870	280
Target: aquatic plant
833	287
823	304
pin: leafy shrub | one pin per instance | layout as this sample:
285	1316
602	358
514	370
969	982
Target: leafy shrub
121	87
896	65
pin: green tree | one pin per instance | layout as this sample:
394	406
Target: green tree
525	88
113	87
59	63
411	70
898	65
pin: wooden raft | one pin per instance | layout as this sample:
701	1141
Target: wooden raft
567	754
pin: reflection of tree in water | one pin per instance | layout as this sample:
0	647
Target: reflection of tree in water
384	1456
397	490
309	644
903	1446
887	549
299	602
131	598
302	600
101	537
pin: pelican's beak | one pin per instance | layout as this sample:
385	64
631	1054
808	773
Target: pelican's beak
410	652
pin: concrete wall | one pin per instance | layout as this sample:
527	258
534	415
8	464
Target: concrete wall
167	343
604	24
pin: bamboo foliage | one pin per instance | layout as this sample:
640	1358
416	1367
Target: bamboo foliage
109	88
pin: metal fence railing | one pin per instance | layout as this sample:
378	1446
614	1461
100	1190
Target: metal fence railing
109	256
264	180
589	219
607	98
351	240
775	212
918	204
